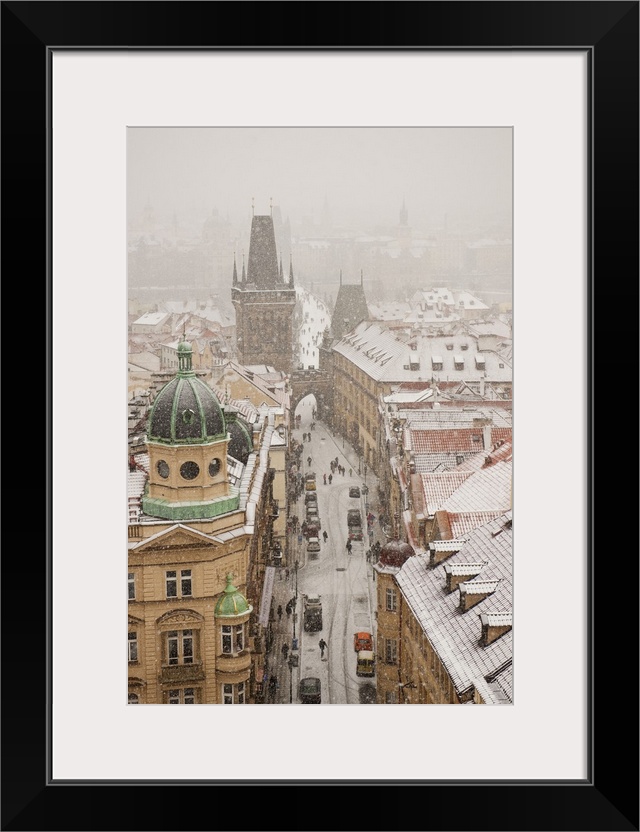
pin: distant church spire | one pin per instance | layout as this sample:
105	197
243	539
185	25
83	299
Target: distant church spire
235	270
404	214
244	273
290	269
281	272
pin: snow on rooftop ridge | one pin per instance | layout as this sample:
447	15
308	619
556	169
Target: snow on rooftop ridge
473	568
479	587
498	619
447	545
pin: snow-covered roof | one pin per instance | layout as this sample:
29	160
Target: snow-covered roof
152	318
455	635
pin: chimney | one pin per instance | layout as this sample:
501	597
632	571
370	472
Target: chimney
486	436
494	625
472	592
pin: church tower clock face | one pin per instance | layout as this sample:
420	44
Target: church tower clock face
163	469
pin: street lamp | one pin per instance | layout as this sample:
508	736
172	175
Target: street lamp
290	663
295	605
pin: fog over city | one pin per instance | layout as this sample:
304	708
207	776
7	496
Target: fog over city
406	207
362	173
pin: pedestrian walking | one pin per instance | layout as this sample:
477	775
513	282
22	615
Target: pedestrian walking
325	478
285	651
322	644
330	478
368	555
286	572
350	472
309	460
279	612
349	546
325	536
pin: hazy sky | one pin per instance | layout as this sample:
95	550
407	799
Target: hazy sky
364	173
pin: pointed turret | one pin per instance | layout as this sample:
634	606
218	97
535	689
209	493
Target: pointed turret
235	270
262	270
290	270
281	272
244	272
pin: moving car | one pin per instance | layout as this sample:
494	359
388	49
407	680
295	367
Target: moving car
310	497
365	663
354	491
362	641
312	613
310	691
354	524
313	545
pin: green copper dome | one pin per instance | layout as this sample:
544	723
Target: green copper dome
232	603
186	411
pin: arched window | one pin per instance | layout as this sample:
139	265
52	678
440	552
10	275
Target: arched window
133	699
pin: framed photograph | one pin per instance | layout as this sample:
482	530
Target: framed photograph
561	79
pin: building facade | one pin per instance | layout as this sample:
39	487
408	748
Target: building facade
200	539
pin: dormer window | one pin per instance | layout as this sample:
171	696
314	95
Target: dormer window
436	362
458	362
449	346
464	346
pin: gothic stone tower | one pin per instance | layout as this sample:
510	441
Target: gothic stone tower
264	302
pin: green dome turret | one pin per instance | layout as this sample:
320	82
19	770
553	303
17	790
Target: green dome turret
232	603
186	411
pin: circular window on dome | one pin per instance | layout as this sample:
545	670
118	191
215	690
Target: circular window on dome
163	469
214	467
189	470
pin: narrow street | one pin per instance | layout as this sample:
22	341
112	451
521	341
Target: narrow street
345	581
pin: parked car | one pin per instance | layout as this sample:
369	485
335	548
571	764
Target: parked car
310	691
354	491
362	641
310	497
313	545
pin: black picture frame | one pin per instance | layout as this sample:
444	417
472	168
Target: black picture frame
608	798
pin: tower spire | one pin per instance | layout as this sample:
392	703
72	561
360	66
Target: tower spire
235	270
290	269
281	272
244	273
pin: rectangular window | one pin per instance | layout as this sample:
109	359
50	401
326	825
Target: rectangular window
391	651
391	600
180	646
182	696
172	585
133	647
233	694
132	586
239	638
171	579
227	646
185	580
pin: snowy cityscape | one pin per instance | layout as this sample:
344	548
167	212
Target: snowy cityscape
319	484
